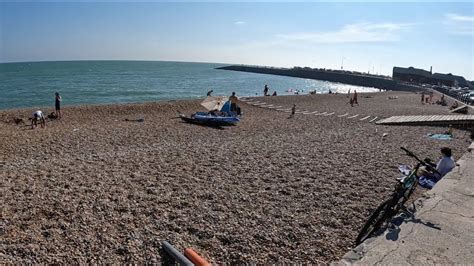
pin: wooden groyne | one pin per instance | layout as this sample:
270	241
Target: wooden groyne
428	120
345	77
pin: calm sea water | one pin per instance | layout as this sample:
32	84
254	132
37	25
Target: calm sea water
93	82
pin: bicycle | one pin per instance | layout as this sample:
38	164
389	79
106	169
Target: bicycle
390	207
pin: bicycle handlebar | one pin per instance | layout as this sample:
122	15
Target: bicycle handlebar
411	154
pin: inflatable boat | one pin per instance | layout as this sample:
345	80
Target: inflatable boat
207	119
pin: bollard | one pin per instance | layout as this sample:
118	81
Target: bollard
174	253
195	258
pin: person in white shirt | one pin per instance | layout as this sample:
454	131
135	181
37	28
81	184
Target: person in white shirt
38	116
445	165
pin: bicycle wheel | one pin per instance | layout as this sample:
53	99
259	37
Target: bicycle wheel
383	212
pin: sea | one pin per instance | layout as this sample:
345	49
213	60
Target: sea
33	84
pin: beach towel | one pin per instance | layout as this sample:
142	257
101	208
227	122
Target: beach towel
440	136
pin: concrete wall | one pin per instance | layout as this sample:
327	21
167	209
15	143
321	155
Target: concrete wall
346	78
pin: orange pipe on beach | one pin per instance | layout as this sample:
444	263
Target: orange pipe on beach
195	258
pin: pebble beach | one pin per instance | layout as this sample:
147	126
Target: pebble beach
95	188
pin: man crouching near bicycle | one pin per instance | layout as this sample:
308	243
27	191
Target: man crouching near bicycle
445	165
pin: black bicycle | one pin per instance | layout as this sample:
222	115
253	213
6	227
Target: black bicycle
390	207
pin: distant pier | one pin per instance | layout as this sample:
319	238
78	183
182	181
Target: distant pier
346	77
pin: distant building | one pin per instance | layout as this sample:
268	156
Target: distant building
411	74
422	76
450	80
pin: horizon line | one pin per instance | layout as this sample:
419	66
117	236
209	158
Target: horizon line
179	61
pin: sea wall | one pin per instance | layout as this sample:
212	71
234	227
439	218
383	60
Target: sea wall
439	232
329	75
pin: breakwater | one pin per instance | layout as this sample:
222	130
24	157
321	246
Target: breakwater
346	77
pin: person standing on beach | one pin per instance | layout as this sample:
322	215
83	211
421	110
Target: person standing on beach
431	97
265	90
293	111
422	97
354	100
57	105
233	102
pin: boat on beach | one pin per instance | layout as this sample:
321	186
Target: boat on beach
219	113
208	119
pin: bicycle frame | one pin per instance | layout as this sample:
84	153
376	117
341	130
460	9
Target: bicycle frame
409	180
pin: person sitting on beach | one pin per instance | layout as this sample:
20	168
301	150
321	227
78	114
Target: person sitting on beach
443	101
445	165
38	116
210	92
233	102
454	106
450	131
274	93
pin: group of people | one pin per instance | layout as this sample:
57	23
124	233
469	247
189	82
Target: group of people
442	101
427	98
39	117
266	89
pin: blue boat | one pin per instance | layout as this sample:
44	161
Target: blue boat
208	119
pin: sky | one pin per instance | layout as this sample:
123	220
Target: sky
362	36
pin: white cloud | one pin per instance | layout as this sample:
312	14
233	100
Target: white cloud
358	32
457	17
459	24
240	23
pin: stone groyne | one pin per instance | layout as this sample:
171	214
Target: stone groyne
345	77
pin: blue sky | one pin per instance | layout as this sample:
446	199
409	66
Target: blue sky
362	36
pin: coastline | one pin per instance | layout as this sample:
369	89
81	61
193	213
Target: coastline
341	76
95	188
